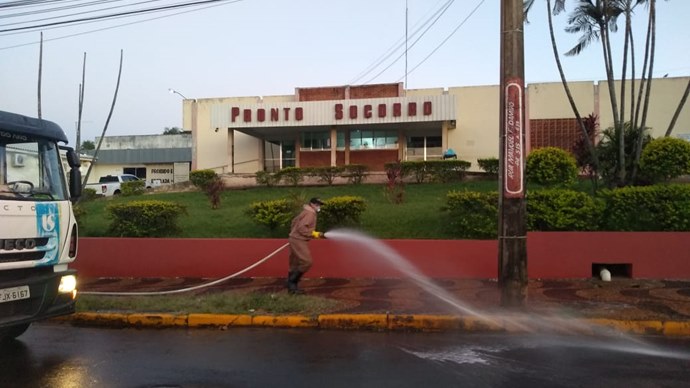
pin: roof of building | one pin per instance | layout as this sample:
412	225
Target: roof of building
160	155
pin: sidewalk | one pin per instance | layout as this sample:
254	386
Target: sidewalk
638	305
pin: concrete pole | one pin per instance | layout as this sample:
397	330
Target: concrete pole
512	233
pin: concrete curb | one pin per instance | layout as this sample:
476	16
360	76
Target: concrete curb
375	322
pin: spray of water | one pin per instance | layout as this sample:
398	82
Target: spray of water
605	337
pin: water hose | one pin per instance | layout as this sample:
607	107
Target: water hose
197	287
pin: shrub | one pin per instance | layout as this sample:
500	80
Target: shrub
648	208
132	188
607	151
562	209
89	194
267	179
291	175
416	169
80	215
551	166
144	218
213	191
355	173
341	211
202	178
489	165
472	214
445	171
272	214
665	158
394	190
326	174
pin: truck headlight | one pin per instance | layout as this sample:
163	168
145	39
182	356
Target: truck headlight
68	285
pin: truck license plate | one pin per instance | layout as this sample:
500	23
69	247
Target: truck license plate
14	293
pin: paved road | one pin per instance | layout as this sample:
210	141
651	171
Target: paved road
62	356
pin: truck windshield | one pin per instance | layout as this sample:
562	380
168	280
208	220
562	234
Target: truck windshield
30	169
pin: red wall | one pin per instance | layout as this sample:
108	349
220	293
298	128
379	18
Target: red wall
550	255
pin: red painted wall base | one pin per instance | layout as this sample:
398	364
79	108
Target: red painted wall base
550	255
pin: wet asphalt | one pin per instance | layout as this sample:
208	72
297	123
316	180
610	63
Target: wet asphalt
60	355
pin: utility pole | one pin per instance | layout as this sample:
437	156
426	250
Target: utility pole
512	227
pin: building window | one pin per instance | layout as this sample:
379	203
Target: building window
374	139
140	172
316	141
424	148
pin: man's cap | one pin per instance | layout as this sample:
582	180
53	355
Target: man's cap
316	201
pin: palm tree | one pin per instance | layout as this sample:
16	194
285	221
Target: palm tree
594	21
558	7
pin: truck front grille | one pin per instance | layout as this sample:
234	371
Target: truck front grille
15	255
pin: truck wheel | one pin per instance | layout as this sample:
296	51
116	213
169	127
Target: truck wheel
117	192
12	332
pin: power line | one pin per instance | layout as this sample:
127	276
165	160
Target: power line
119	25
412	45
448	37
110	16
397	45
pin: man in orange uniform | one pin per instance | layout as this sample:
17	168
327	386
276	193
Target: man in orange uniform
301	231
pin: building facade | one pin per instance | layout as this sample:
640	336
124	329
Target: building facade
158	159
377	124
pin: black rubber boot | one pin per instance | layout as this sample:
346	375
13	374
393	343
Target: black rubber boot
293	280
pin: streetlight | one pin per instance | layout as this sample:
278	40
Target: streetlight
173	91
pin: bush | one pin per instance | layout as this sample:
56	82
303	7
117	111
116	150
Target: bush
341	211
416	169
489	165
132	188
326	174
272	214
445	171
144	218
562	210
551	166
202	178
291	175
649	208
267	179
355	173
472	214
89	194
607	151
664	159
394	190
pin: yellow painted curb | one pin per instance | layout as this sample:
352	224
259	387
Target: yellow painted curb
284	321
391	322
216	320
353	321
157	320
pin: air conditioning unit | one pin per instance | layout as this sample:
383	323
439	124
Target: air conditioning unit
18	160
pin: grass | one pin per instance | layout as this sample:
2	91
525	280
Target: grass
232	302
418	217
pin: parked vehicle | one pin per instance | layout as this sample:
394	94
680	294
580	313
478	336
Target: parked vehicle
110	185
38	229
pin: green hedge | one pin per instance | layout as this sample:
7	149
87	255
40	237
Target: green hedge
341	211
489	165
273	214
132	188
144	218
471	214
562	210
434	170
650	208
551	166
202	178
665	158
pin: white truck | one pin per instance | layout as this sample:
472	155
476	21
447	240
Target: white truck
38	230
110	185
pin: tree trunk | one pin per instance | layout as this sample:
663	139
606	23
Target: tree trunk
606	47
678	110
643	121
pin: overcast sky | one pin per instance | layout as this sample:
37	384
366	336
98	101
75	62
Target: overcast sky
270	47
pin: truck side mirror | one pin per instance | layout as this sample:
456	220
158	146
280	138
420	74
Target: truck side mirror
72	158
74	174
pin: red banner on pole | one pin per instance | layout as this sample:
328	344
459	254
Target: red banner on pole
513	164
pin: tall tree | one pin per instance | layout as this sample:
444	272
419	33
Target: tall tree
558	7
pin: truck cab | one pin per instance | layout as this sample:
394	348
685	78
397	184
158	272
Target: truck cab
38	229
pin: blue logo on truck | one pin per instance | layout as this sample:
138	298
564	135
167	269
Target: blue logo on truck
48	225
